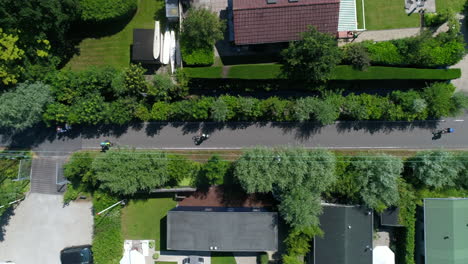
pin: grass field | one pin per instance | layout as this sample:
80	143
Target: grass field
455	5
222	258
388	14
114	50
146	219
342	72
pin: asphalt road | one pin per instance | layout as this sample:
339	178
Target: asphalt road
342	135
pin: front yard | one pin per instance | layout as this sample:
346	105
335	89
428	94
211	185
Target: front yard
146	219
455	5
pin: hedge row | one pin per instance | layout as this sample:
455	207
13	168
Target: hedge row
342	72
434	101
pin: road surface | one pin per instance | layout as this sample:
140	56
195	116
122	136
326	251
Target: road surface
341	135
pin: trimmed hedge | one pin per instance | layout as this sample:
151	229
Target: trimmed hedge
197	57
342	72
106	10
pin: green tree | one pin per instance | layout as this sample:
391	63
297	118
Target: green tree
78	169
300	208
438	97
436	169
126	172
297	176
313	58
22	107
201	29
214	171
134	80
378	177
181	168
10	58
163	89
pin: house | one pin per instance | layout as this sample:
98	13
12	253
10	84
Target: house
277	21
222	229
445	230
348	233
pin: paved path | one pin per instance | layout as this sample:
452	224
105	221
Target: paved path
342	135
384	35
462	83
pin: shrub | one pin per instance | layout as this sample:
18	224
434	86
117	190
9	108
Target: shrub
356	55
78	168
155	255
162	88
262	258
384	53
313	58
151	244
198	57
437	19
214	171
438	97
99	11
180	168
201	29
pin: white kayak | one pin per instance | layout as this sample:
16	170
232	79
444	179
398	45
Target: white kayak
166	48
157	40
173	52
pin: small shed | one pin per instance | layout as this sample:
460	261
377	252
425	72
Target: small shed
172	10
389	217
142	48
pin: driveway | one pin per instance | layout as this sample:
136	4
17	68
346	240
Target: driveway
40	227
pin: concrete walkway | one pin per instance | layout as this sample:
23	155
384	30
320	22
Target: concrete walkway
388	34
462	83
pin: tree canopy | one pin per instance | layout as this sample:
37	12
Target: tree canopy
378	179
201	28
436	169
22	107
126	172
313	58
295	176
10	58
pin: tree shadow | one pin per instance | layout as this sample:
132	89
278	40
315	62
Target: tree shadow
385	126
163	233
4	221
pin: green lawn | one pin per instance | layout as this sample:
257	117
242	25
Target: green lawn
388	14
115	49
342	72
146	219
222	258
359	14
456	5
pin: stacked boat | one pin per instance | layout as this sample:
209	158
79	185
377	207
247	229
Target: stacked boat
164	46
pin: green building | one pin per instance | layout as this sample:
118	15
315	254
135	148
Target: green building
446	230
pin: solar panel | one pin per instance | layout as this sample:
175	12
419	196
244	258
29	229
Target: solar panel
271	1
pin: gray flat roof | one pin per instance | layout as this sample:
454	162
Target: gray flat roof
226	230
142	48
347	234
172	8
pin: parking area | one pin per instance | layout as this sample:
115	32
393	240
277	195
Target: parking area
41	226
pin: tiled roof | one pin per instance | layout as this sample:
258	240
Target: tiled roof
257	22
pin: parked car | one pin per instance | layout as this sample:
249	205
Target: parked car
77	255
193	260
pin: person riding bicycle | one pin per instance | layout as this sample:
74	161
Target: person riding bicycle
105	145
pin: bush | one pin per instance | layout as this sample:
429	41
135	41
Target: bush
198	57
262	258
155	255
356	55
99	11
439	99
78	169
437	19
214	171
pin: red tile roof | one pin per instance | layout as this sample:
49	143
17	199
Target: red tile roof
256	22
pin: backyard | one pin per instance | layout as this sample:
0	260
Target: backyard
114	50
456	5
146	219
388	14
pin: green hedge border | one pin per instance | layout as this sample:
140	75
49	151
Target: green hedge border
342	73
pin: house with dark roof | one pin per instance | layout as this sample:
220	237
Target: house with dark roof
348	233
277	21
445	231
240	229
